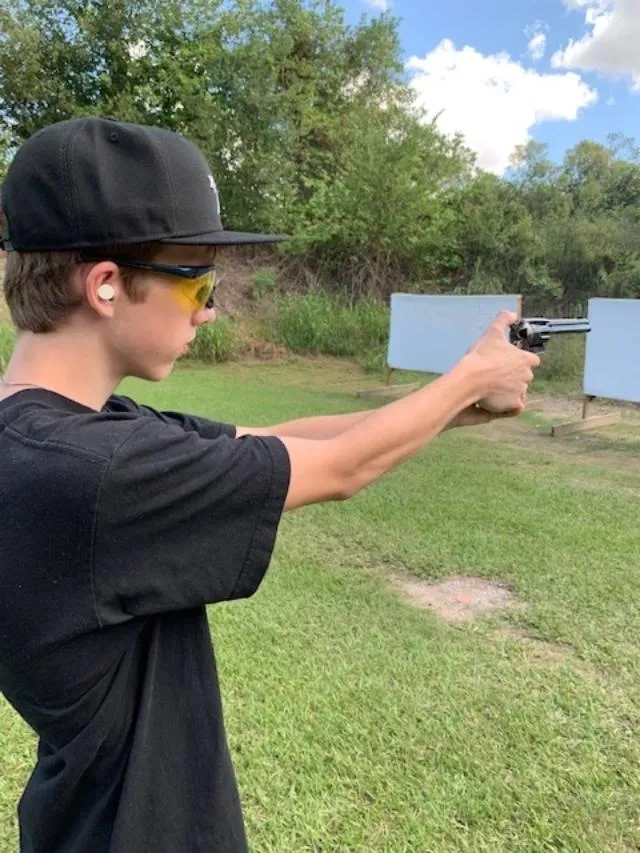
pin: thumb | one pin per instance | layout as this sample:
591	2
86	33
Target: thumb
504	320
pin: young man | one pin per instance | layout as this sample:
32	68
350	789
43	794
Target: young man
120	523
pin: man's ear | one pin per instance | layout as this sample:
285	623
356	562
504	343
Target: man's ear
102	286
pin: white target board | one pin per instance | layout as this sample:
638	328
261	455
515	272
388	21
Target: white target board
612	364
430	334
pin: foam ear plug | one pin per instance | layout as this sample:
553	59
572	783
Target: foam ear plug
106	292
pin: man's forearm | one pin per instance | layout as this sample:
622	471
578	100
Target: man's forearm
323	426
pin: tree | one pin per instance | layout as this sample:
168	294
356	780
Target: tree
64	59
311	129
263	89
385	218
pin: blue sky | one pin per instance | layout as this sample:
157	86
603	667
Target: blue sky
504	71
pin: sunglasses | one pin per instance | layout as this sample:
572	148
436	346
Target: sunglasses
196	284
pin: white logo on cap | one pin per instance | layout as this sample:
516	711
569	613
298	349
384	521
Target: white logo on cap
214	189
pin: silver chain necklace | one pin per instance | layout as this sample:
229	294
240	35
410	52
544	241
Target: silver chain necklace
17	384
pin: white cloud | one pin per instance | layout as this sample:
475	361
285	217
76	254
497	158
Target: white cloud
382	5
537	35
593	7
611	45
493	101
537	46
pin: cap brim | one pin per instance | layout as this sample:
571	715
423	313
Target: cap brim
227	238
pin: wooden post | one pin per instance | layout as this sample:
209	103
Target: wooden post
389	375
585	408
519	308
588	423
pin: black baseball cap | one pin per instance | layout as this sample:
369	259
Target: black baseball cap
91	182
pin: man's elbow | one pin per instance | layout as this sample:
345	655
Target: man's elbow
320	472
349	483
345	490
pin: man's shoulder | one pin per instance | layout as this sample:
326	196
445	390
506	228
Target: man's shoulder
44	421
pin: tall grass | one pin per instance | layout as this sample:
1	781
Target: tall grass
563	363
215	343
320	324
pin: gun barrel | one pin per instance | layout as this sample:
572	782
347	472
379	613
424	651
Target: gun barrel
577	324
559	327
533	333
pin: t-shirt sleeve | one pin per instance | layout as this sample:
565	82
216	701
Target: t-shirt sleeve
184	520
206	428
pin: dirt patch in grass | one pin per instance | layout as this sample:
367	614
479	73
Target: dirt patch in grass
456	599
463	599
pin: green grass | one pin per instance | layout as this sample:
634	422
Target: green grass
358	723
319	324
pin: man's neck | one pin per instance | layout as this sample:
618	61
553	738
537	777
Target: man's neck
67	362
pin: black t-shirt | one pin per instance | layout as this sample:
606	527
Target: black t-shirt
117	527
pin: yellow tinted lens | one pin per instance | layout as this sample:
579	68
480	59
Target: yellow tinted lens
195	292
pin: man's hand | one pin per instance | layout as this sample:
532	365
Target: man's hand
509	370
476	416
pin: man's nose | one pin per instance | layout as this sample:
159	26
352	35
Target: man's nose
204	316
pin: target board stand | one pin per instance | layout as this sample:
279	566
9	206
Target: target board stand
431	333
612	368
588	421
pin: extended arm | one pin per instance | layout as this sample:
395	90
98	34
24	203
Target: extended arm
331	426
337	468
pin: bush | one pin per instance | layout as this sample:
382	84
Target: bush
215	342
319	324
481	283
263	282
7	337
563	360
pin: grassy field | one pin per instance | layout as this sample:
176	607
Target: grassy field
361	723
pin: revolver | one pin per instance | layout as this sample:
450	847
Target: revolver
533	333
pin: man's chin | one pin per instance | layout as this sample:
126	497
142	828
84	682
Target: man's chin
155	374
